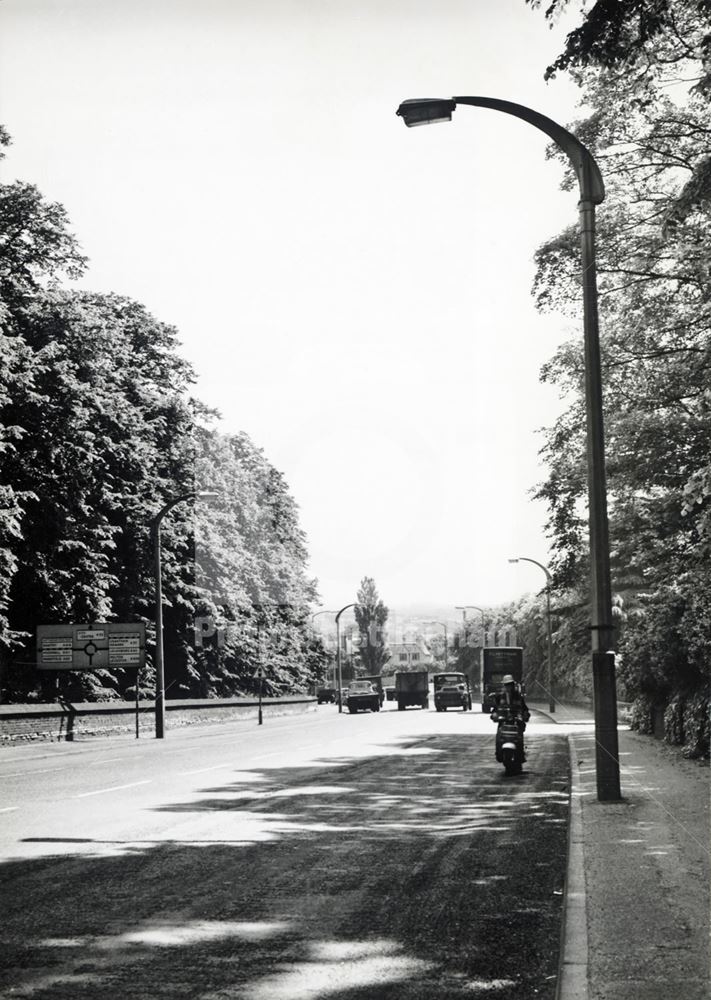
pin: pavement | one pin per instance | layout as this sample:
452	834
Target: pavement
637	895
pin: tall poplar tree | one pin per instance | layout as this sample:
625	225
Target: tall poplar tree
371	616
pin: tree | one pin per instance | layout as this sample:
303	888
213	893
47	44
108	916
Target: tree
104	431
643	68
35	247
371	616
97	432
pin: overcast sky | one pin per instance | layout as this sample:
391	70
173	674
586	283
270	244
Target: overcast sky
353	294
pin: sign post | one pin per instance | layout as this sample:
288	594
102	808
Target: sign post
98	646
260	677
138	728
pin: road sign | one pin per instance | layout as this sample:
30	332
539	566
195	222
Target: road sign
124	648
90	647
57	650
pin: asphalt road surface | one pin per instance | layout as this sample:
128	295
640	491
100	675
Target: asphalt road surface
339	857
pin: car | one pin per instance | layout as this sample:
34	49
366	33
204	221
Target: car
326	696
377	681
451	690
363	696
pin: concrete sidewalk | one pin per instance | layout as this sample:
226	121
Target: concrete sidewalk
637	899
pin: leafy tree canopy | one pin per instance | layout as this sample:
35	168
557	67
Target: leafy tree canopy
371	616
643	70
97	433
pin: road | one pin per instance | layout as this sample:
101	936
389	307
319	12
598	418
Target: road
371	856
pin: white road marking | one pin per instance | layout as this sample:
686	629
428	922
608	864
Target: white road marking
114	788
28	774
201	770
9	809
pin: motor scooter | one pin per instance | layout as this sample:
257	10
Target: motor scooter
509	741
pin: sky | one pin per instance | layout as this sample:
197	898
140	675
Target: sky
353	294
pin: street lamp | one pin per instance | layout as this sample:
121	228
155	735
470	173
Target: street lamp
155	532
473	607
325	611
592	192
315	614
551	699
338	653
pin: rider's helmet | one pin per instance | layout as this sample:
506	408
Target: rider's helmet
508	679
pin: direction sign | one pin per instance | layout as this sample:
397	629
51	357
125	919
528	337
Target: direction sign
124	648
89	647
57	649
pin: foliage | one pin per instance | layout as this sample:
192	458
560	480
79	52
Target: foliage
643	69
629	33
371	616
528	618
97	433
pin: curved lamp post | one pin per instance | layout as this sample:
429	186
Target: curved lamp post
474	607
338	653
592	192
326	611
160	670
551	699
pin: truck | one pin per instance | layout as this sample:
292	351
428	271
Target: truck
326	695
496	662
451	690
412	687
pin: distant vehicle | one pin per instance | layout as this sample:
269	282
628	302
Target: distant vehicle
362	696
412	688
452	691
390	692
326	696
377	681
496	662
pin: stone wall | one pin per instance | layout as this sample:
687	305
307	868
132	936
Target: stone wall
65	721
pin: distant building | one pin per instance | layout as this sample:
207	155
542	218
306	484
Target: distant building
409	656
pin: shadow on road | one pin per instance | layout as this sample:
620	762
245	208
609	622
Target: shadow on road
419	872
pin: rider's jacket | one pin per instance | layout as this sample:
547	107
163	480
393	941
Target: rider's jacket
513	702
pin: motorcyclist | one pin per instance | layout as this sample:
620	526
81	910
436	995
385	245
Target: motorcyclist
509	701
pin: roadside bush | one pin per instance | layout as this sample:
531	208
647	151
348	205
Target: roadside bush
641	715
674	722
697	726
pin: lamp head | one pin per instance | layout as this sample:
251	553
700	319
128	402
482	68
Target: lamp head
513	560
208	494
426	110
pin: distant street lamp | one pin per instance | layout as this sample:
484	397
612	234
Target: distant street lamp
551	699
592	192
338	654
315	615
155	532
473	607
